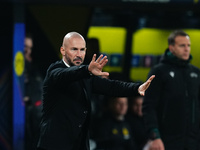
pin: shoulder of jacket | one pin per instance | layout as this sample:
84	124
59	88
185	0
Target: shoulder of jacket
194	67
56	65
160	66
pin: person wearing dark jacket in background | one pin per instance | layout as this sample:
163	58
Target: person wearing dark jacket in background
32	95
112	131
135	118
67	90
171	104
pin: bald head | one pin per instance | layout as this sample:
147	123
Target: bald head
69	36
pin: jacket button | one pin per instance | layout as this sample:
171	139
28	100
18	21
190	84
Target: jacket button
79	125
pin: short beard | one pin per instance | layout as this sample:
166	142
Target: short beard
71	63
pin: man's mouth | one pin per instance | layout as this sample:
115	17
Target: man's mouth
78	59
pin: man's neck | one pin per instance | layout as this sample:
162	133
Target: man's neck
65	63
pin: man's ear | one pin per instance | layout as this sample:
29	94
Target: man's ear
62	51
170	48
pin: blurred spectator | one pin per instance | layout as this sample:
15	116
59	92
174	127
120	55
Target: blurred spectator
171	104
32	96
112	131
135	119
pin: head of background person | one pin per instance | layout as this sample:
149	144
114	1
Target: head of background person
73	49
135	105
28	45
118	106
179	44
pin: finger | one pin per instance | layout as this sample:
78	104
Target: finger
142	93
146	85
151	78
99	59
104	62
103	59
104	74
94	57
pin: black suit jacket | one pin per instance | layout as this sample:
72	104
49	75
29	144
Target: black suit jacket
66	104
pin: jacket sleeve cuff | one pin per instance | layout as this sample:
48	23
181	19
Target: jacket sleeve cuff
154	134
90	73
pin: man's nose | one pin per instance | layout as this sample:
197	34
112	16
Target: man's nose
78	53
187	47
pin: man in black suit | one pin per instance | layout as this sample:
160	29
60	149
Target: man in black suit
67	89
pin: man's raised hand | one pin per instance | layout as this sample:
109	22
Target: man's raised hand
142	88
96	66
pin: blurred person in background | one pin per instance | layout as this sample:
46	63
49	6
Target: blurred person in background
67	89
171	104
135	118
32	95
112	131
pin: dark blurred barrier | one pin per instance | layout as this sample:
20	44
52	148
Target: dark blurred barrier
6	77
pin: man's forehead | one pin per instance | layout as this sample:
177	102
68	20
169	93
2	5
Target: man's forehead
75	42
182	39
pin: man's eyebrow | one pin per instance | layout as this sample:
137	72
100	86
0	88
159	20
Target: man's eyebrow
74	48
78	48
